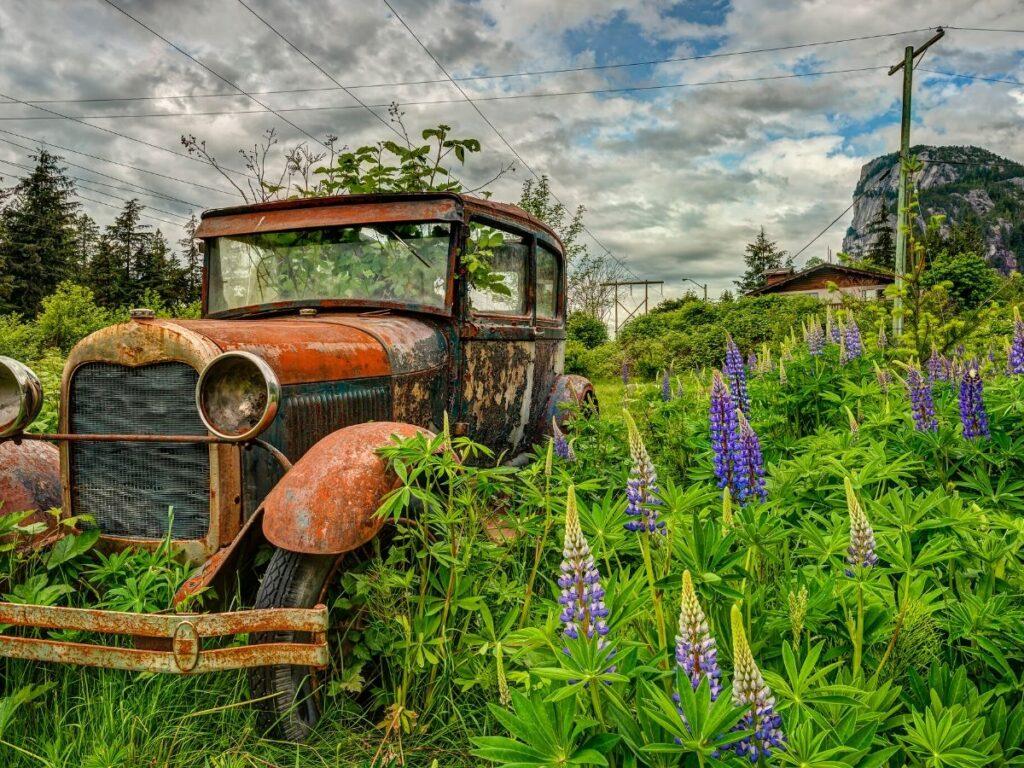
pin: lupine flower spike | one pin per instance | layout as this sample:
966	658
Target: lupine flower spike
972	407
642	487
696	651
884	378
750	691
727	521
1015	357
883	339
851	335
752	362
666	385
582	597
831	329
797	613
861	551
722	418
815	338
625	371
563	449
854	424
737	375
937	367
749	463
783	379
922	404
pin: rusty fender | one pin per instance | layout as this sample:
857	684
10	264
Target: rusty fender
568	389
325	504
29	480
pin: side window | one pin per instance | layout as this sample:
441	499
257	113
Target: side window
548	280
497	263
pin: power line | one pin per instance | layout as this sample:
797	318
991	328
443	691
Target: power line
114	162
493	127
471	78
986	29
120	135
970	77
325	73
145	190
213	72
97	191
118	207
501	97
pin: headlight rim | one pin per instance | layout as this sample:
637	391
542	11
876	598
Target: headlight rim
273	390
31	397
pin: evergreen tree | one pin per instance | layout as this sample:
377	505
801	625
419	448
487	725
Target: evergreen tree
882	251
191	283
121	250
761	256
37	236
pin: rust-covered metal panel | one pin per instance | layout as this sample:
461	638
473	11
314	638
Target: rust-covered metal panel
411	344
497	390
326	503
301	350
547	368
419	398
185	633
30	481
338	211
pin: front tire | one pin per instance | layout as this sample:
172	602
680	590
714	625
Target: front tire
289	702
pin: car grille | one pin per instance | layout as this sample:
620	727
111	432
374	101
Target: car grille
129	488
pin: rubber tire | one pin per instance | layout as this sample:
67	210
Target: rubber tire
289	707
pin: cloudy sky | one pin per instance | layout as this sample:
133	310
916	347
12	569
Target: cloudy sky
675	179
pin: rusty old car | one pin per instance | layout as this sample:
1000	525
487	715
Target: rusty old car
328	327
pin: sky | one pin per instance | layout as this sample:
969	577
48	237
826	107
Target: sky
675	180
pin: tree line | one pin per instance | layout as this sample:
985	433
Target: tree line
46	240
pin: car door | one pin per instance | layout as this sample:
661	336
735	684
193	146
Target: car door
497	335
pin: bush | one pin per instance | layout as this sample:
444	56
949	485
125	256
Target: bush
70	315
586	329
18	339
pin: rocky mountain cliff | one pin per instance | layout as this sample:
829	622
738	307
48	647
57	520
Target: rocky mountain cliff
964	183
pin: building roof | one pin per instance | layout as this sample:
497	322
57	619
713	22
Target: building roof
858	274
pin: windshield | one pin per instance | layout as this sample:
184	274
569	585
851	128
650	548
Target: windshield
397	263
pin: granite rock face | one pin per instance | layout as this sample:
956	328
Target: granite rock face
964	183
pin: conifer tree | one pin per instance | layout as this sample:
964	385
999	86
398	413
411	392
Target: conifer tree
191	283
761	256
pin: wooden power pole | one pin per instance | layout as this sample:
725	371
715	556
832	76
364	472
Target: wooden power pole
903	223
639	309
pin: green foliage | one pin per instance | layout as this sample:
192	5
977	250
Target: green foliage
68	316
966	277
588	330
760	257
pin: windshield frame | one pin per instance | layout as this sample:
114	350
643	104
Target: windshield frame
293	305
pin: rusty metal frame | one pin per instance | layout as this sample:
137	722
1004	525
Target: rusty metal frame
183	632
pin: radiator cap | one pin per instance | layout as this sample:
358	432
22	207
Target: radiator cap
141	313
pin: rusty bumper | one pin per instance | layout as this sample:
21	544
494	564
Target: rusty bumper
181	634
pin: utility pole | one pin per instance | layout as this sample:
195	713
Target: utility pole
635	311
902	221
699	285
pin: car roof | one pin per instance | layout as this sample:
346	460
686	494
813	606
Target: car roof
501	212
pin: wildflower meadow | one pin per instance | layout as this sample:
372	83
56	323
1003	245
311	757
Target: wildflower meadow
811	556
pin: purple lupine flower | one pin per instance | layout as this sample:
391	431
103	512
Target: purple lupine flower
972	406
922	404
815	339
582	596
625	371
642	486
960	350
938	367
736	374
883	339
562	448
750	691
696	651
722	418
748	477
752	361
831	326
853	346
1015	357
861	552
666	386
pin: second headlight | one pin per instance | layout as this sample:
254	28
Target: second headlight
237	396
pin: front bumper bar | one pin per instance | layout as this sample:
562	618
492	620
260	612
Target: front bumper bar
180	636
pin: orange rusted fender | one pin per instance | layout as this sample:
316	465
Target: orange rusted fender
326	503
29	479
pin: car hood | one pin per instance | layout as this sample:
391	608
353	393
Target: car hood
326	347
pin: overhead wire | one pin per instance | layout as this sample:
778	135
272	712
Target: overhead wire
494	76
118	207
213	72
497	132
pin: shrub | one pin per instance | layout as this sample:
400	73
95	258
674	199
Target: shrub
588	330
18	339
70	315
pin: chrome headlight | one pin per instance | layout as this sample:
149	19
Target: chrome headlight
237	396
21	397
